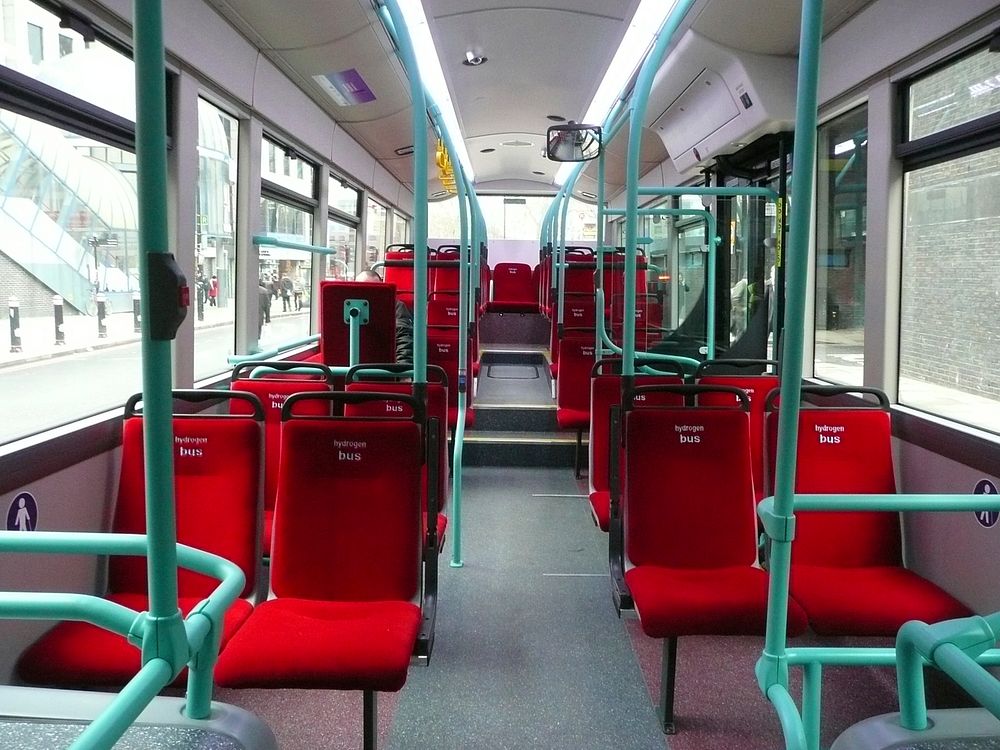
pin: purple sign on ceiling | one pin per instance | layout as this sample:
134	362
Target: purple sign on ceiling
350	85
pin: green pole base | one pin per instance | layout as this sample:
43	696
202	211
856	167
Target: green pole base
456	564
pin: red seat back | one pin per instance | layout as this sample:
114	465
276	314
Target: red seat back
688	497
272	393
400	276
576	358
756	387
843	451
217	494
348	524
443	312
605	392
378	336
445	280
437	408
512	282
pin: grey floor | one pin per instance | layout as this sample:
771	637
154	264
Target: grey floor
514	384
529	652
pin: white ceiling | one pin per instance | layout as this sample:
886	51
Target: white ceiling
544	57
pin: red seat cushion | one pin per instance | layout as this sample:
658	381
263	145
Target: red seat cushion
600	505
304	643
869	601
78	653
673	602
573	419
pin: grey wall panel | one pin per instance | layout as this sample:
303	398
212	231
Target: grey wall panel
861	48
406	200
288	107
351	158
75	499
384	184
951	549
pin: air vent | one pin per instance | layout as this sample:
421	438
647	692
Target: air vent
487	150
517	144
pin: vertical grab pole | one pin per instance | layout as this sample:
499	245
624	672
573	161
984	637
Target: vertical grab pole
640	98
405	44
772	667
151	175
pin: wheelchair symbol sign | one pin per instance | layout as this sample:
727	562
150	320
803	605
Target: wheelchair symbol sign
987	518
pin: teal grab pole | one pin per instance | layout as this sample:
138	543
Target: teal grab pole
771	668
601	218
754	192
397	27
955	647
109	727
812	701
272	353
714	240
898	503
686	362
55	606
640	98
151	176
266	240
354	344
788	716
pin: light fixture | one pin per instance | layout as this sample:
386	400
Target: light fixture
642	31
535	171
555	118
430	72
473	60
403	151
487	150
589	196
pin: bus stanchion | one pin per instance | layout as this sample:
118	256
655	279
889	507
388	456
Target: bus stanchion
57	312
136	313
14	310
102	313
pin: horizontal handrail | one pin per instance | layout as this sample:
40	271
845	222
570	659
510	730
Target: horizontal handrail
269	241
240	358
929	502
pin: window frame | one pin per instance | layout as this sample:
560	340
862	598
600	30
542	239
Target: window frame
965	443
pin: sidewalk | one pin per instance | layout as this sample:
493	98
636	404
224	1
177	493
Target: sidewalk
38	334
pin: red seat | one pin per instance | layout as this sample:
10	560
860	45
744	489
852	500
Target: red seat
445	280
272	391
400	276
691	544
513	291
217	491
346	561
605	393
378	335
442	350
847	566
578	320
756	387
437	407
573	389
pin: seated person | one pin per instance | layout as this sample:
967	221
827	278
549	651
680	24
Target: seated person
404	321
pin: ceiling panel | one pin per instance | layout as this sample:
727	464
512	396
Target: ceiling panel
295	23
767	27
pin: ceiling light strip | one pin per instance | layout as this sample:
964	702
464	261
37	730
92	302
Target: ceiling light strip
432	77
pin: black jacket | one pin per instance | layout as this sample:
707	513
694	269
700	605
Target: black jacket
404	333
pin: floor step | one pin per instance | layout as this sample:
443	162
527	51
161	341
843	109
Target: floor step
515	417
520	448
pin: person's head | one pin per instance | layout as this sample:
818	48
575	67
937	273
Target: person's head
368	275
214	276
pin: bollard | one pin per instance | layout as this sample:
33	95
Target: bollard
136	313
57	311
14	309
102	316
200	296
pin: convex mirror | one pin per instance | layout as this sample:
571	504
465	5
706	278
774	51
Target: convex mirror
573	142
